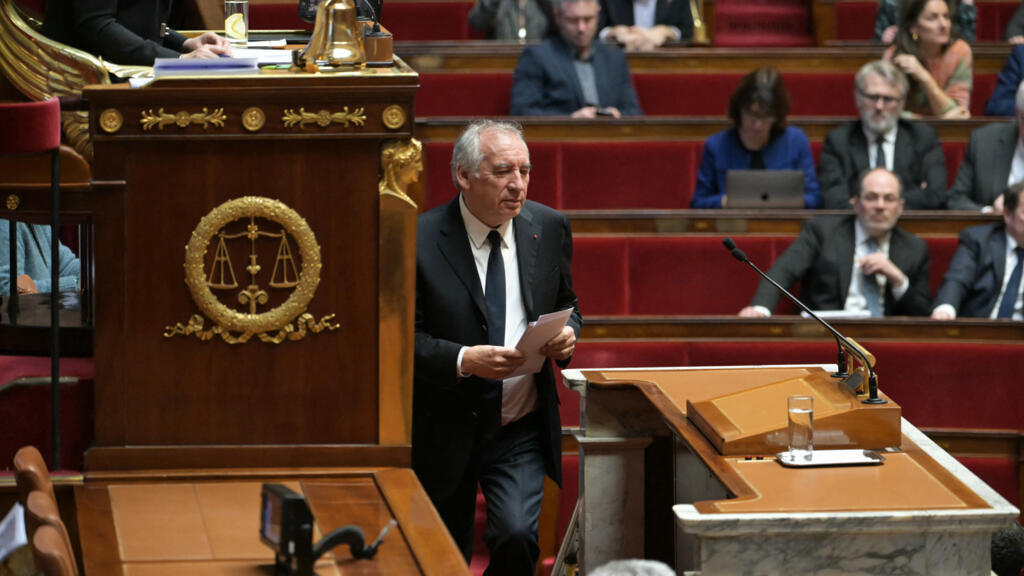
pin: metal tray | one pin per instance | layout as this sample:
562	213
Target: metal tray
832	458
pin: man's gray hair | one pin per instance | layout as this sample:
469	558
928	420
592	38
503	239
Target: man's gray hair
559	4
633	568
1018	102
884	70
467	152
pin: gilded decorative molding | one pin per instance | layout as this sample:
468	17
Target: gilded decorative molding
253	119
289	320
76	132
401	163
323	118
13	201
111	120
393	117
183	118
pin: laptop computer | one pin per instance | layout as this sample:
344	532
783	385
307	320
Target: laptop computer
764	189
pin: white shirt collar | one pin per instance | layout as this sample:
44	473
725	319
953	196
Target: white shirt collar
889	137
861	237
478	231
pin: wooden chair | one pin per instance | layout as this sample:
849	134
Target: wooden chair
41	512
31	473
52	554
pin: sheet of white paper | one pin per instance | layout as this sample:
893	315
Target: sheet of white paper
838	314
266	43
536	336
12	531
264	56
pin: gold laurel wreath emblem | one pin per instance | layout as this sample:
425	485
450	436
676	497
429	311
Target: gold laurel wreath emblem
274	325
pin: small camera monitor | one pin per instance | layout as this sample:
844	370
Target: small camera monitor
286	523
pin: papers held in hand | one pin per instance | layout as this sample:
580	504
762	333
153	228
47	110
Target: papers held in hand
537	334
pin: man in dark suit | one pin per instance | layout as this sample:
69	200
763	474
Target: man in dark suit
487	263
993	161
976	283
911	150
856	263
645	25
1001	102
129	32
571	73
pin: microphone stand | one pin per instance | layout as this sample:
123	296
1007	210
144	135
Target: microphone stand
841	341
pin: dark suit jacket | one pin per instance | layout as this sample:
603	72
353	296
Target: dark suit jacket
450	414
1002	102
917	158
545	81
667	12
985	167
975	275
822	258
121	31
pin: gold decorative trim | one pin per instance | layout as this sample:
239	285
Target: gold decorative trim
393	117
253	119
401	162
111	120
276	324
183	118
13	201
323	118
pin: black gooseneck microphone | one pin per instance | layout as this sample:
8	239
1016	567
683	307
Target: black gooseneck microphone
841	341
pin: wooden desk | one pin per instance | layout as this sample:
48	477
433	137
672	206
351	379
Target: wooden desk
920	509
208	524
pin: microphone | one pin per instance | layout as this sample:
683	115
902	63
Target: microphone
841	341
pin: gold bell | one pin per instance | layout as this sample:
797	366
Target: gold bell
336	39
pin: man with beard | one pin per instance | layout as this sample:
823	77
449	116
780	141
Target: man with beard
857	263
881	138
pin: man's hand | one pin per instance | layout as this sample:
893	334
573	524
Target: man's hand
878	263
942	314
751	312
997	205
495	362
1015	39
889	34
26	285
586	112
560	347
208	45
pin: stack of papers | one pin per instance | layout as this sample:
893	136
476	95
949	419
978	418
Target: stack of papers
203	66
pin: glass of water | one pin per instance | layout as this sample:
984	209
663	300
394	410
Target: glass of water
236	21
801	427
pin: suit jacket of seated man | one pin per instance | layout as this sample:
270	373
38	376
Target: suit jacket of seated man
985	168
545	81
917	158
123	32
1002	102
974	278
822	258
666	12
451	414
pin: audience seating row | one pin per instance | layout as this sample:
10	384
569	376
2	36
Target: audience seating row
609	175
855	19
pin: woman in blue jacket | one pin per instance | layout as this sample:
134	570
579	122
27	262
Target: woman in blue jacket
758	140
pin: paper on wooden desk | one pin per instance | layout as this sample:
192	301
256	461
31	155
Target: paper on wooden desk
537	334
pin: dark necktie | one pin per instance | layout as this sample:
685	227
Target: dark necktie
495	292
880	152
869	287
1012	287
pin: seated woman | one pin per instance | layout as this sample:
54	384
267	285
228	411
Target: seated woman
33	245
966	17
937	64
758	140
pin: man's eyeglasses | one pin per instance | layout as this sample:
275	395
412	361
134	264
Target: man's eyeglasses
883	98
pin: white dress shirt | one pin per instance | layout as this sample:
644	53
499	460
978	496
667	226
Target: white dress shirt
888	146
1011	263
518	395
855	301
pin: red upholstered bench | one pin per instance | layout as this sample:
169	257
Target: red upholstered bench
472	94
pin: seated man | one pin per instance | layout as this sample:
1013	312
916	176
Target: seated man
34	260
642	25
882	138
994	160
128	33
1002	101
513	19
571	73
862	262
986	267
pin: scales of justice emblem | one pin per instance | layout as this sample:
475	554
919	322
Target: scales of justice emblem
267	220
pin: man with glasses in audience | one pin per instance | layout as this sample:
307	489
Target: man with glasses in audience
994	160
573	74
984	277
881	138
861	263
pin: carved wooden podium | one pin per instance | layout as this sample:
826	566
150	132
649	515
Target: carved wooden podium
254	288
